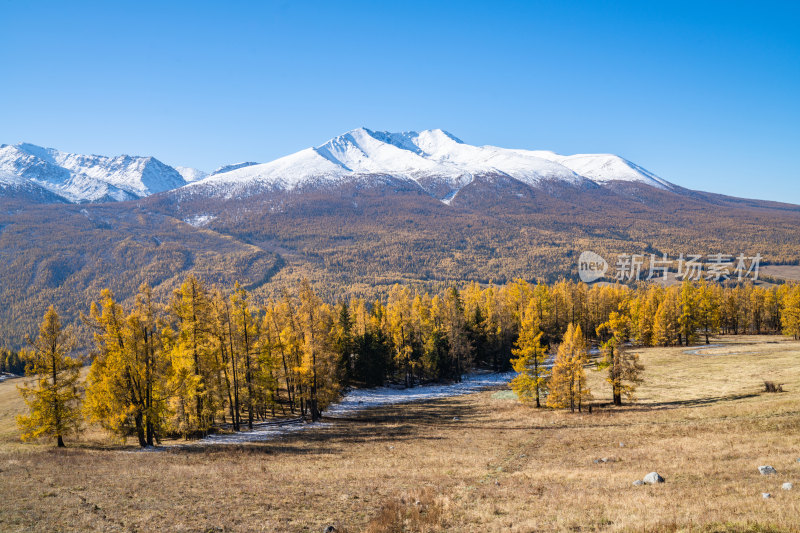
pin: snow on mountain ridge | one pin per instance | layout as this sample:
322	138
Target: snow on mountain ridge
434	159
603	168
89	178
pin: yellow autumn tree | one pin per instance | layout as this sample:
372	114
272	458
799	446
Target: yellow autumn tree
567	386
790	312
54	399
623	366
708	309
531	356
194	358
128	390
399	313
688	316
245	336
666	327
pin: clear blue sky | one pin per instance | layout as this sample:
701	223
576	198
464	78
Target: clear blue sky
706	95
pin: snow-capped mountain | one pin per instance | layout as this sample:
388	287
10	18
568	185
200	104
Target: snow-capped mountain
17	188
603	168
88	178
432	161
435	160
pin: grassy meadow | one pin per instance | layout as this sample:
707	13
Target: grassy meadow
480	462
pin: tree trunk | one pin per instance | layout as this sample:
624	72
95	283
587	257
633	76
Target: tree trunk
196	356
248	376
228	386
572	394
289	391
236	418
56	403
60	441
148	400
140	430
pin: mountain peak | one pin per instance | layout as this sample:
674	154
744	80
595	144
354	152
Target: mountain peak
88	178
435	160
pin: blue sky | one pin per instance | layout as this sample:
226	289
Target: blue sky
705	94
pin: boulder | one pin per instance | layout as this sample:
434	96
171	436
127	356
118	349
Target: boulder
766	495
767	470
787	486
638	483
652	478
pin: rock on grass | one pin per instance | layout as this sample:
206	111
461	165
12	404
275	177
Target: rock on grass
652	478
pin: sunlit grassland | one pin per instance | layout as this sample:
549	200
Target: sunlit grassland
470	463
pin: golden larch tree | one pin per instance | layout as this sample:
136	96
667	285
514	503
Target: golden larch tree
54	399
623	366
531	356
567	387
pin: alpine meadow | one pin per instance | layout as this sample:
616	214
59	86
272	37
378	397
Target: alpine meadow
306	307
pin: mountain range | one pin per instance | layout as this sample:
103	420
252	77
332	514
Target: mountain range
354	215
433	160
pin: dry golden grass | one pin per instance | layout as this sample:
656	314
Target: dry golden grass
787	272
701	421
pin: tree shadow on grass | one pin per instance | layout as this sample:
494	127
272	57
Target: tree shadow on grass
690	403
388	424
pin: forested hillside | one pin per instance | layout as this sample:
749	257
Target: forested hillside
64	255
360	240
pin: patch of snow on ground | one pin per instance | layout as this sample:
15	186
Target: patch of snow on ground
697	351
360	399
261	432
199	220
